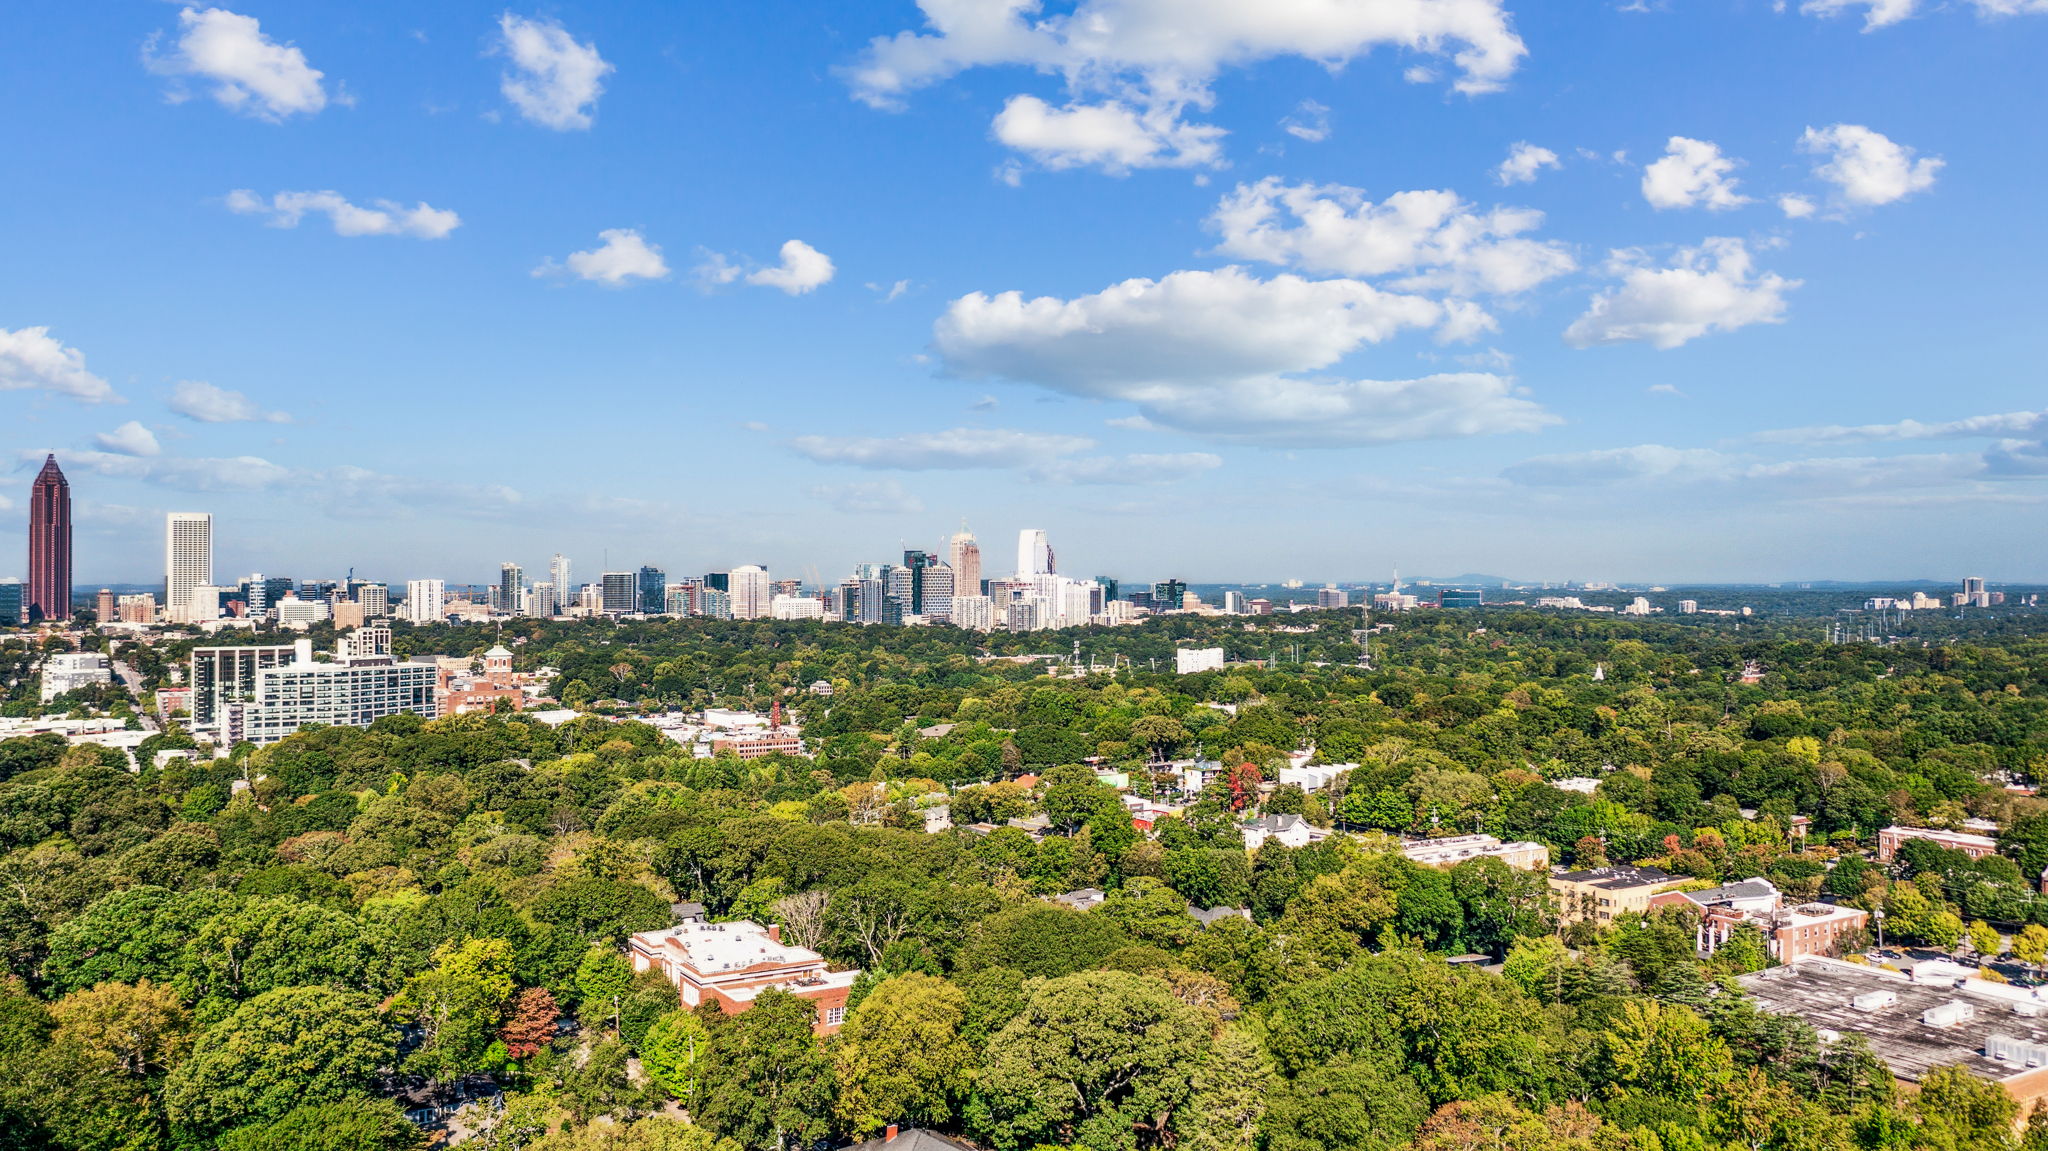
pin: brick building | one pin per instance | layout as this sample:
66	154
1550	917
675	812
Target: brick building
733	963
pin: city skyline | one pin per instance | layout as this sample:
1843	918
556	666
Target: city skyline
1499	293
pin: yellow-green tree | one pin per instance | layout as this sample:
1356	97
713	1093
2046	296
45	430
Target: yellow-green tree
901	1056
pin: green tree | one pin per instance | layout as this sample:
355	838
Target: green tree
458	1005
141	1029
354	1124
1666	1049
602	980
765	1083
673	1053
280	1050
1228	1096
1985	940
901	1055
1095	1059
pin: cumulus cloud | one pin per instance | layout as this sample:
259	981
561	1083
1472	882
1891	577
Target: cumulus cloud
1156	60
554	81
247	72
1524	163
1224	355
31	360
1711	288
954	449
1310	121
130	439
1181	46
622	258
1110	135
198	400
1796	207
803	269
1438	240
2005	424
1693	173
872	497
387	218
1867	168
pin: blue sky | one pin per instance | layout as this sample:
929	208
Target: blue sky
1696	290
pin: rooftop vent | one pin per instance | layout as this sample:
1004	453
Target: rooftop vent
1874	1000
2018	1052
1948	1014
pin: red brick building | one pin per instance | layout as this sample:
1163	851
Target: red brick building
732	963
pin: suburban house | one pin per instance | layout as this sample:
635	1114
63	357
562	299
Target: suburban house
1290	830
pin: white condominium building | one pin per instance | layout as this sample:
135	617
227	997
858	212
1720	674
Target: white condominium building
188	559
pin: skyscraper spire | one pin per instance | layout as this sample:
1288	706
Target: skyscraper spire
49	544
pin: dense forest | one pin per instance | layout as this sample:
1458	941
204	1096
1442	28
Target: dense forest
290	946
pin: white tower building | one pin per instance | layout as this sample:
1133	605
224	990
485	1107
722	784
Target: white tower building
752	594
1034	554
188	559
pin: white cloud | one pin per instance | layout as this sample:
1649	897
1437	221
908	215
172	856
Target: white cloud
1441	241
1711	288
1310	121
1162	468
956	448
1618	465
1218	354
249	72
236	474
286	209
1155	59
1178	46
1876	13
554	81
623	257
875	497
1525	161
2005	424
803	269
1867	168
31	360
1112	135
1693	173
130	439
2011	7
1796	207
198	400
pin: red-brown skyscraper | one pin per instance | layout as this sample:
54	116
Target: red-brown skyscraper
49	544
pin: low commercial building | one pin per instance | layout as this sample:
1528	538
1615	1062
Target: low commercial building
1601	893
733	963
1456	849
1975	846
1936	1017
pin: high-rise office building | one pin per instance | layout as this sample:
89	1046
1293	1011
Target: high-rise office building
376	600
1034	554
963	555
751	591
188	559
49	544
718	581
542	602
1234	603
1973	585
1332	597
653	591
714	604
558	574
1168	594
621	593
426	600
107	606
14	604
511	583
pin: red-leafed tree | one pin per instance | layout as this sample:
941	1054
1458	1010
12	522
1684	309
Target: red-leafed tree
532	1024
1244	785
